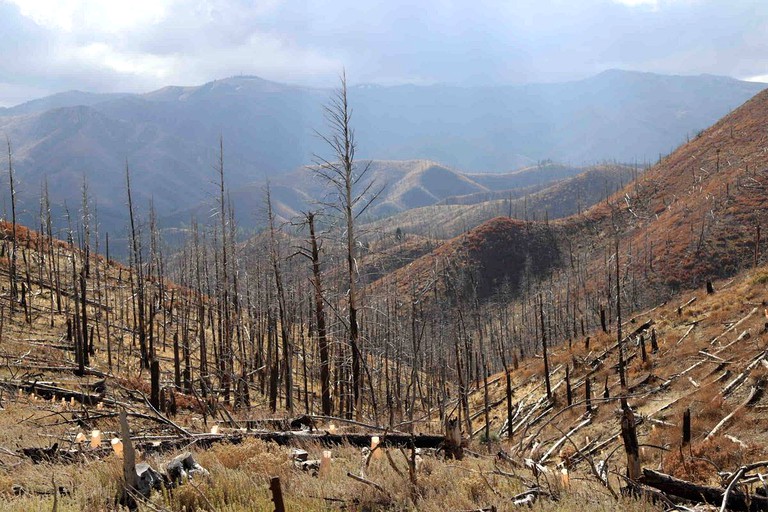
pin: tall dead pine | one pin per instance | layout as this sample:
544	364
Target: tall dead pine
14	243
544	348
353	196
622	377
322	336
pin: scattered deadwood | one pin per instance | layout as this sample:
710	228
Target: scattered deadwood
736	499
640	382
680	307
358	440
563	439
734	326
734	480
597	362
740	378
40	455
528	497
686	334
63	369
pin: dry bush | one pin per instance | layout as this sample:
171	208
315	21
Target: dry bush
708	406
760	278
702	460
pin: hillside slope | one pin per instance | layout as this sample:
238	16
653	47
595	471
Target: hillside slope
404	185
710	360
694	216
540	200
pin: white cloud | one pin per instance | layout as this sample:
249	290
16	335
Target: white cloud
638	3
104	56
139	45
145	44
111	16
757	78
653	5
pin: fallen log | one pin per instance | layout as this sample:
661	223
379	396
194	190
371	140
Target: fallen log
740	378
368	482
55	454
297	437
737	500
753	392
50	391
359	440
563	439
734	326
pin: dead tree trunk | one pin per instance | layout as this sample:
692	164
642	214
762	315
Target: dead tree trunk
631	446
686	428
154	394
544	348
322	337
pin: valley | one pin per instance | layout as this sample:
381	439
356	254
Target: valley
536	324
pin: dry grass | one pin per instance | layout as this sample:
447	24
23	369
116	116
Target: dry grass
240	475
702	460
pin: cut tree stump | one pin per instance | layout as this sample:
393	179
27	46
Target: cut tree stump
631	446
277	494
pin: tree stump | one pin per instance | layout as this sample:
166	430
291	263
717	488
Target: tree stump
452	446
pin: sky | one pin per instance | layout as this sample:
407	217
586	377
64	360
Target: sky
49	46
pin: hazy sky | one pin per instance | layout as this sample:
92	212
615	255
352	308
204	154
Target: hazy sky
49	46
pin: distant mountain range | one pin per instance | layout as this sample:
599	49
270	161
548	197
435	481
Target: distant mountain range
169	137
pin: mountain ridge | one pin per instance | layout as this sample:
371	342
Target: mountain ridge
170	136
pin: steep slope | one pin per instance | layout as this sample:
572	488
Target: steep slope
500	252
694	216
617	114
697	214
708	359
68	145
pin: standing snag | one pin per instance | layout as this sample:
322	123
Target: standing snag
346	178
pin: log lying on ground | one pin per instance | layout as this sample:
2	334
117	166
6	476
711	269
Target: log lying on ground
734	326
359	440
752	394
61	369
48	391
204	441
737	500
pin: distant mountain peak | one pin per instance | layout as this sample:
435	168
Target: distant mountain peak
236	78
